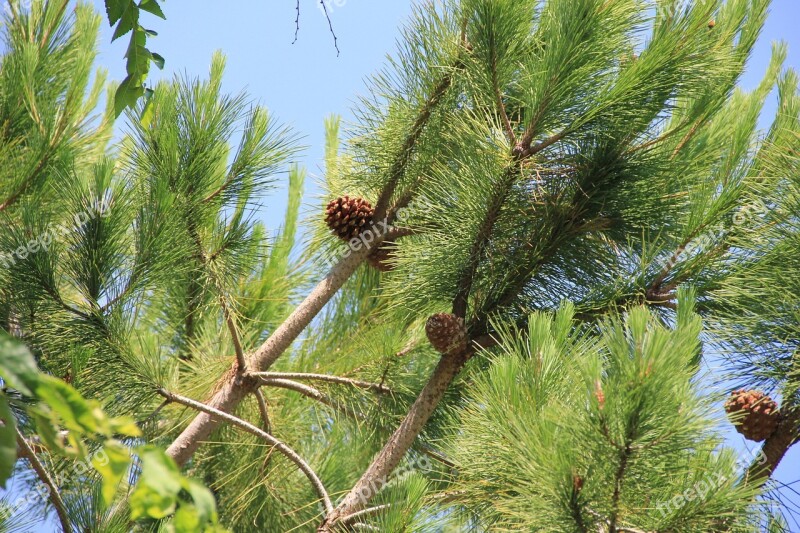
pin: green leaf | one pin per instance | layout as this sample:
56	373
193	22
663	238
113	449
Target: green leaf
156	494
124	426
77	414
158	59
187	520
128	20
206	506
8	441
128	92
138	55
152	6
112	466
17	366
115	9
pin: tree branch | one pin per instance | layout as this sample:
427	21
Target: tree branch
296	21
300	376
235	338
501	107
366	512
404	436
262	408
55	496
330	25
482	240
312	393
234	391
624	457
403	157
253	430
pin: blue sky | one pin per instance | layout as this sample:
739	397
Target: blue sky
302	83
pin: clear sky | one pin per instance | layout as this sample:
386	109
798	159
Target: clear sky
302	83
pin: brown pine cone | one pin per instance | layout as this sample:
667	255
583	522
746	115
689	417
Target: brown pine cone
447	333
754	414
348	217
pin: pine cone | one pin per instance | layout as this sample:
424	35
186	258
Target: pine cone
348	217
447	333
381	258
760	417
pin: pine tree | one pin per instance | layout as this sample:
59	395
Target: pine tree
571	207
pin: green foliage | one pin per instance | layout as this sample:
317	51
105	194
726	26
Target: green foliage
596	152
159	494
123	15
64	422
572	429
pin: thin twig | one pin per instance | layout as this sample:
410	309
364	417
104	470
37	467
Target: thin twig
300	376
253	430
297	22
312	393
366	512
234	331
501	107
55	496
262	408
330	26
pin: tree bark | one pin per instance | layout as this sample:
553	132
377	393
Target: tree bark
237	388
375	478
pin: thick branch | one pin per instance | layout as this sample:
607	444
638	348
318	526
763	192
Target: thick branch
403	438
253	430
27	452
234	391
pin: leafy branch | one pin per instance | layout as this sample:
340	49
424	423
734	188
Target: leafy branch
123	16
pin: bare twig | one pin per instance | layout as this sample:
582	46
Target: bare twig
501	106
330	26
300	376
235	338
55	496
253	430
262	408
312	393
366	512
296	21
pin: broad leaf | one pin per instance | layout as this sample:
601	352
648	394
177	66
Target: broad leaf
156	494
152	6
17	366
8	441
112	467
